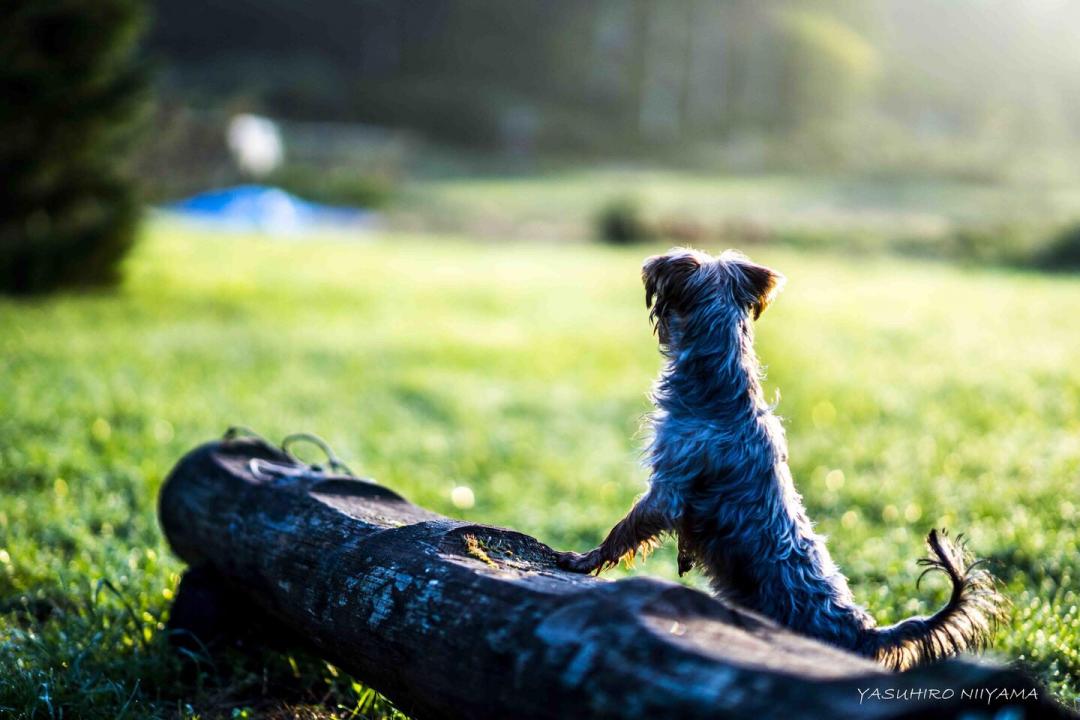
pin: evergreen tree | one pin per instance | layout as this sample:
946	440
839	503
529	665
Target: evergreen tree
71	96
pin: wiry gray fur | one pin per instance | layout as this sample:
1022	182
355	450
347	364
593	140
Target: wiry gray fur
720	479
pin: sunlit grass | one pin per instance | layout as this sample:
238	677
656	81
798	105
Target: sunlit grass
915	395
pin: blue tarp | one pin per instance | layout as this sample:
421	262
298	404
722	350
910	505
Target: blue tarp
267	209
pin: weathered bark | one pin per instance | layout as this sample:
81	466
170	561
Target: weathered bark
455	620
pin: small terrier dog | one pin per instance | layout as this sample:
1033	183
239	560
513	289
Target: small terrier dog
720	480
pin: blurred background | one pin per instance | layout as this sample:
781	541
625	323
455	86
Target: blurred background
416	228
943	128
926	127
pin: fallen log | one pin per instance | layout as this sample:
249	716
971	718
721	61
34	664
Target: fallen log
451	619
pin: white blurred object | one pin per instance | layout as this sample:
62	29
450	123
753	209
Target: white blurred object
255	143
462	497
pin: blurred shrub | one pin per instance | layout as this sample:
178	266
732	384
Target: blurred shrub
335	186
1062	252
622	222
71	95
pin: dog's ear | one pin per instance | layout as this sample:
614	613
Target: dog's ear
755	285
666	278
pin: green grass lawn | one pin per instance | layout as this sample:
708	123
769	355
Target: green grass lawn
915	395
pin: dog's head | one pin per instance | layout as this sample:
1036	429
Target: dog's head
682	280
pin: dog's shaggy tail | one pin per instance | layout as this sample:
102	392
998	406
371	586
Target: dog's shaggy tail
966	622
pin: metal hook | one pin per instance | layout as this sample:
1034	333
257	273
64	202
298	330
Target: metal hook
332	459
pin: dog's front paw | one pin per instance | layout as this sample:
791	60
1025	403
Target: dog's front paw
579	562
